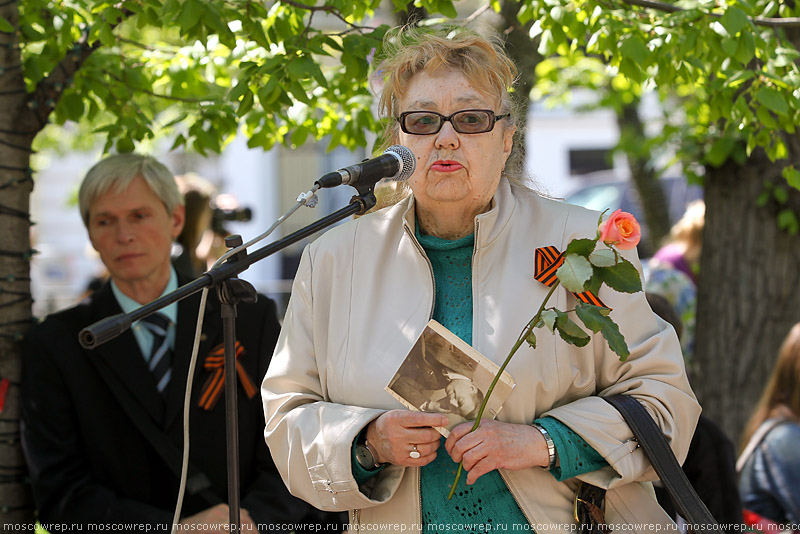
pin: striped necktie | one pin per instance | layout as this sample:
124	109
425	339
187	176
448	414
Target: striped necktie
160	361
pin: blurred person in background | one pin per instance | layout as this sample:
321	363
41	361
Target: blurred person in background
769	465
196	238
102	429
673	269
711	463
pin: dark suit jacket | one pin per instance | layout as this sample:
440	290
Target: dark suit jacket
87	460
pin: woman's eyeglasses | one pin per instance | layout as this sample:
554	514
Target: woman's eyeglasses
468	121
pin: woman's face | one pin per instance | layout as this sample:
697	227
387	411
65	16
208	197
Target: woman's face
454	169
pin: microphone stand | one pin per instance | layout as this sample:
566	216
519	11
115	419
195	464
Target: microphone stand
231	291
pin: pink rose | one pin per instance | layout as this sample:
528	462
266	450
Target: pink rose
621	230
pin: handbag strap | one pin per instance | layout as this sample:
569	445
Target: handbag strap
757	437
657	450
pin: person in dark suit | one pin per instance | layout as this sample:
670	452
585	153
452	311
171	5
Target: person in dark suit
102	429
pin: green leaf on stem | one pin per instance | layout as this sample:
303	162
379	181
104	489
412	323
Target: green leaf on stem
615	339
596	319
595	282
575	271
592	316
549	319
603	258
531	339
570	331
581	247
623	277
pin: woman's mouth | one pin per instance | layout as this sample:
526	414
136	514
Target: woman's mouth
446	166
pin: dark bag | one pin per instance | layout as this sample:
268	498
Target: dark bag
688	504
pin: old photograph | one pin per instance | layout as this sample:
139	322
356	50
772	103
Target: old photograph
443	374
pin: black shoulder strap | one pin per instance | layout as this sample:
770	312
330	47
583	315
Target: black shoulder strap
657	450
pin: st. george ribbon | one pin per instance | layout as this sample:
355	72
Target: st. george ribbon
396	163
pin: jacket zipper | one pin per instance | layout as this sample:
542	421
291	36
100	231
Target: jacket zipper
430	267
472	278
355	522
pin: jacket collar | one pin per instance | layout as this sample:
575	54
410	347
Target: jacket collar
489	225
123	357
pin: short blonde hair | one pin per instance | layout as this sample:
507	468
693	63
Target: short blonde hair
475	51
116	172
409	50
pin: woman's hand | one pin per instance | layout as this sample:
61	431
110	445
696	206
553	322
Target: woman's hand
395	433
496	445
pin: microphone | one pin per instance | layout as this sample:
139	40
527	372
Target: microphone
396	163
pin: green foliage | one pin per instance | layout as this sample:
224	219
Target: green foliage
203	71
727	84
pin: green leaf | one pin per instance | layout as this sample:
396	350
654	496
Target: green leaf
531	339
570	331
593	317
780	194
635	49
792	176
730	45
596	319
72	106
787	220
631	69
581	247
773	99
595	282
575	271
125	145
720	151
746	48
766	117
734	19
615	339
604	257
549	319
577	341
6	26
623	277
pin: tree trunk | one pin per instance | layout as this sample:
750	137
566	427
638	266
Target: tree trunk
748	288
651	195
525	55
17	130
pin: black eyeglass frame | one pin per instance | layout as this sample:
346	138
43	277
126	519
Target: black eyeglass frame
448	118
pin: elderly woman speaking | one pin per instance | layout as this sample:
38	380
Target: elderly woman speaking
460	249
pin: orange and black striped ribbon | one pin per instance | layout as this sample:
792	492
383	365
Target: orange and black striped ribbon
547	261
215	364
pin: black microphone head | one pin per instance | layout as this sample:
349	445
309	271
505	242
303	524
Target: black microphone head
408	163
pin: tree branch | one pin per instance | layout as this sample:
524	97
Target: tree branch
48	92
328	9
164	97
788	22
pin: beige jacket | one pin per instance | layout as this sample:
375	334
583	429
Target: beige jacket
364	292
